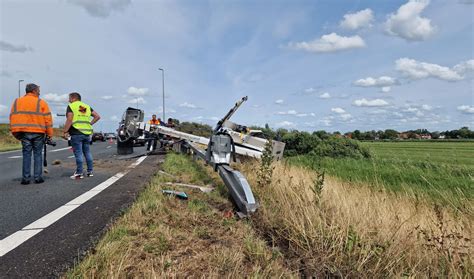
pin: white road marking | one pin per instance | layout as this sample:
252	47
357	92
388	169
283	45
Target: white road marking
109	146
72	156
60	149
12	151
14	157
16	239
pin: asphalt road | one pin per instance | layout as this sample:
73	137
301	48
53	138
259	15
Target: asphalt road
55	247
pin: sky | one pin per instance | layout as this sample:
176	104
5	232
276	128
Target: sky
334	65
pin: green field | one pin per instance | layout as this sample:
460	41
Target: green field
7	141
440	170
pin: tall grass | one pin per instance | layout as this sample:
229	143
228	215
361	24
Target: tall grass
340	229
7	141
163	237
450	184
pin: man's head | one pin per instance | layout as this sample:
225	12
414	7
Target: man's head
153	117
74	96
32	88
170	120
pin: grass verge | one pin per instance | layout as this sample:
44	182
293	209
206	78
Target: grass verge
326	227
162	236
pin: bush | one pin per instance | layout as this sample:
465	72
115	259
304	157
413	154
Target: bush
302	143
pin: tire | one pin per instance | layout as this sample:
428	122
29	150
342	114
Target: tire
125	147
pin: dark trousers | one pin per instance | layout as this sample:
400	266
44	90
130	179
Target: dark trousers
32	142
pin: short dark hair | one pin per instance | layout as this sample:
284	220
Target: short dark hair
30	87
75	95
153	115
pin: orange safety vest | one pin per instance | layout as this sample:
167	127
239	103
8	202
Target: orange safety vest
156	122
31	114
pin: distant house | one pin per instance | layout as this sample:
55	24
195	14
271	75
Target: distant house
442	136
426	136
348	135
403	135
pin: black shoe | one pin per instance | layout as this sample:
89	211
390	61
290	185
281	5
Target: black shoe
25	182
39	181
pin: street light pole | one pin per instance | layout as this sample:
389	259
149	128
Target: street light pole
19	82
163	84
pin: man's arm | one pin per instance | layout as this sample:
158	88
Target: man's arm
96	117
67	125
48	119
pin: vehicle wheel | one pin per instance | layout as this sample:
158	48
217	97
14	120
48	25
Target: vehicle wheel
125	147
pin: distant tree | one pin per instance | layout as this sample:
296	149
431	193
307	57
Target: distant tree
321	134
356	135
390	134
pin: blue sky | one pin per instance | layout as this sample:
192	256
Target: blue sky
307	65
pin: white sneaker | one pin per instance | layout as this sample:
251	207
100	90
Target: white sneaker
90	174
77	176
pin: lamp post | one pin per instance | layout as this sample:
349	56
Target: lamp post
19	82
163	84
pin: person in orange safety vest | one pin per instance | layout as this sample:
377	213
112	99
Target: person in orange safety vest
153	139
154	121
31	122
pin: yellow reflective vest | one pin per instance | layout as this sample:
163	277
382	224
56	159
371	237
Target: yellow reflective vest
81	119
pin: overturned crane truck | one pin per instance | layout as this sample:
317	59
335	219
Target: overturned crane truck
228	140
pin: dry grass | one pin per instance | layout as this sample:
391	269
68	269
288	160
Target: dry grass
162	236
351	230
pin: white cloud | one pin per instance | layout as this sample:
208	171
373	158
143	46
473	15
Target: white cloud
285	124
418	70
346	116
329	43
107	97
279	102
427	107
3	110
114	118
56	99
325	95
370	103
188	105
357	20
382	81
290	112
102	8
138	100
309	90
466	109
338	110
386	89
464	67
408	24
134	91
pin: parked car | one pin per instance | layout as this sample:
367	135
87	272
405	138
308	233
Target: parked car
98	136
110	136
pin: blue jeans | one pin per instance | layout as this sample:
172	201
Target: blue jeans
32	142
81	145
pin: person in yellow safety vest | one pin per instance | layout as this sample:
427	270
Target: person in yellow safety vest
31	122
79	127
